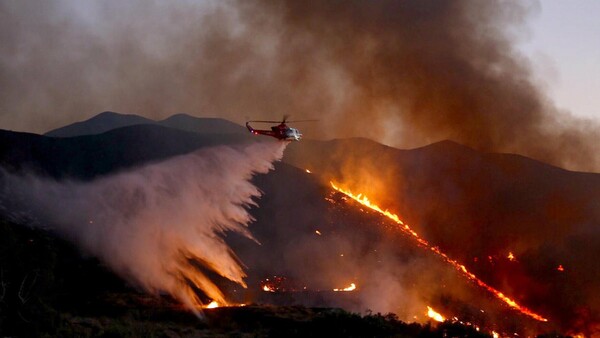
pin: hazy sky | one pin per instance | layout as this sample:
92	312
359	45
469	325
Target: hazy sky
565	49
563	44
499	76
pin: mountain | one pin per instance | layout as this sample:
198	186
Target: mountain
475	206
452	193
98	124
480	208
107	121
88	156
202	125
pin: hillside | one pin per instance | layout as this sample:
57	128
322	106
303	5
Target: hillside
88	156
477	207
107	121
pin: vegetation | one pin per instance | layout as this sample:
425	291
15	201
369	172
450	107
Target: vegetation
48	289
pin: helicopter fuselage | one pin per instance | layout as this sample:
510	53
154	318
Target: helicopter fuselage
280	131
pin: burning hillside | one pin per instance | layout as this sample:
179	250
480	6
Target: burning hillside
363	200
320	240
525	228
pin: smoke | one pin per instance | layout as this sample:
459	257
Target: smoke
158	225
405	73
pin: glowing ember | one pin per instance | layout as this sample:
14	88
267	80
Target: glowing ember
459	267
511	257
352	287
308	171
318	232
495	334
279	284
212	305
560	268
434	315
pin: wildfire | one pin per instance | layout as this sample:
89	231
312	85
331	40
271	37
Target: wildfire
352	287
212	305
560	268
431	313
360	198
308	171
318	232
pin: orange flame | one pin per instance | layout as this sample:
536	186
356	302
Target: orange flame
212	305
352	287
431	313
459	267
511	257
268	288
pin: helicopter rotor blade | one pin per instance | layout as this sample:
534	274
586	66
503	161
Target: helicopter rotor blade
302	121
264	121
285	120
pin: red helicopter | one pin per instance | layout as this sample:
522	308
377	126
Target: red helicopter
280	131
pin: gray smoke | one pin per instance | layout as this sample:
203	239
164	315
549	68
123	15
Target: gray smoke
405	73
156	224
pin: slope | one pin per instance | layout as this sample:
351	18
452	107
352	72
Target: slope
107	121
475	206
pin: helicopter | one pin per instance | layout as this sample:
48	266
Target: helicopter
280	131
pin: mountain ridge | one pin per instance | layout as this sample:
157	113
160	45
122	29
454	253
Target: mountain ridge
108	120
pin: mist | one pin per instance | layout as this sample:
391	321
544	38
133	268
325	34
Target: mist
159	225
404	73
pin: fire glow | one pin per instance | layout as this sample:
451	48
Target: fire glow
352	287
431	313
360	198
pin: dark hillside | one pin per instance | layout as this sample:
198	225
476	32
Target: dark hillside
88	156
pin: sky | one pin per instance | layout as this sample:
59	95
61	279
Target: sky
564	47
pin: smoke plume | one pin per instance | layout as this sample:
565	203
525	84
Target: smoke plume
157	224
405	73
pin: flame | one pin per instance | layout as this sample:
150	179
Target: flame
318	232
511	257
434	315
268	288
560	268
360	198
214	304
352	287
308	171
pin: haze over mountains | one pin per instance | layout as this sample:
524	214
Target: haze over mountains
476	206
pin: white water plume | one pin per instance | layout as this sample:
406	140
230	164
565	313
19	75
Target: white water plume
154	224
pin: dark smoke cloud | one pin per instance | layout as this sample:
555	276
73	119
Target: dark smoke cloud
405	73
